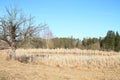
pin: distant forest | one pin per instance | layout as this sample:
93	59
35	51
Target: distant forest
111	42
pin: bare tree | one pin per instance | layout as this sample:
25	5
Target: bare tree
14	26
48	35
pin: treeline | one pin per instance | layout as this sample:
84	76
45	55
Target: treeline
111	42
50	43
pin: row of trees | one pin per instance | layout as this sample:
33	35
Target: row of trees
111	42
50	43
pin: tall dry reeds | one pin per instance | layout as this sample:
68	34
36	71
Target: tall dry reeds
69	57
65	51
70	60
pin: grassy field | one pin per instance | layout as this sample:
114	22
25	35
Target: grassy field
61	64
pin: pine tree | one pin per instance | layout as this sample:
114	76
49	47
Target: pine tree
110	40
117	42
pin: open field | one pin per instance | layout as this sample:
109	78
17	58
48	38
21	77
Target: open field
55	65
70	57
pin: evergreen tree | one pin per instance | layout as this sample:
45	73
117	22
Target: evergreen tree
117	42
110	40
102	43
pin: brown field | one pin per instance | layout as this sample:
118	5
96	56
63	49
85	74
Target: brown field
61	64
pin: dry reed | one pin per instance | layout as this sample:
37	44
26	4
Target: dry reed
70	57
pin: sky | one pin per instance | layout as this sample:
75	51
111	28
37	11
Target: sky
76	18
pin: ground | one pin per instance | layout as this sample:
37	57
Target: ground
14	70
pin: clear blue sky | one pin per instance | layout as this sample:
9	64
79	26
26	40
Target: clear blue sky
77	18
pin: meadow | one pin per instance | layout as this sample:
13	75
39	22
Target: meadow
71	57
60	64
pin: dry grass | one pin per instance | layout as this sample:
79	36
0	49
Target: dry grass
72	57
65	51
68	57
78	60
61	65
14	70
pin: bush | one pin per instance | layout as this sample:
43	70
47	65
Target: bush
25	59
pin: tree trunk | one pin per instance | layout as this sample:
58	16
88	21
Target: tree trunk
13	51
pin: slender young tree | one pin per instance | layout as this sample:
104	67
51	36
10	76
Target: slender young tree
14	27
